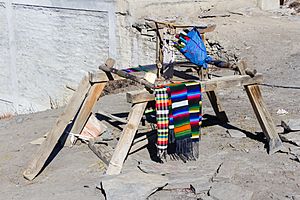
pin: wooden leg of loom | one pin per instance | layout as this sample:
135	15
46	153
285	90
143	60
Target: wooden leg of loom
84	113
47	147
216	104
77	111
126	139
264	118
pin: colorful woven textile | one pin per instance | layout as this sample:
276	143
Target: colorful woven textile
181	119
179	115
140	68
180	111
195	109
194	101
162	118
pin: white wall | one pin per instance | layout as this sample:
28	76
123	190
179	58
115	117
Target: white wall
45	45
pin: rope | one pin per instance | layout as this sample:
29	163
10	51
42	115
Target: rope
280	86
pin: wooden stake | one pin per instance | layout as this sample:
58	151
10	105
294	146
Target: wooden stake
264	118
77	102
127	136
84	113
128	133
216	104
262	114
46	148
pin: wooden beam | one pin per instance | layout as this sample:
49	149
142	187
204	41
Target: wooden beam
119	119
86	110
39	159
210	85
98	76
127	136
216	104
139	96
262	114
129	76
264	118
128	133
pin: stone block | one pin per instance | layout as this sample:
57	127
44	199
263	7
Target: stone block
268	4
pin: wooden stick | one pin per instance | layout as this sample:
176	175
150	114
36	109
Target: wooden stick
128	76
124	144
86	110
264	118
262	114
128	133
112	116
210	85
216	104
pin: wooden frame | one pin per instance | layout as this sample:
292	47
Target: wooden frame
80	107
77	112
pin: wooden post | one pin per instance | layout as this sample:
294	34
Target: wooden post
46	148
262	114
78	110
217	106
264	118
127	136
86	110
128	133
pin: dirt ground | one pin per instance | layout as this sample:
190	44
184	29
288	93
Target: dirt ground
228	168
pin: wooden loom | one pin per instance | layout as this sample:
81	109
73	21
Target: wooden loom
80	106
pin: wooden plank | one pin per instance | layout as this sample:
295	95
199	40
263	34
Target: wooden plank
264	118
101	112
89	102
231	81
37	163
210	85
139	96
98	76
103	151
261	112
216	104
127	136
128	133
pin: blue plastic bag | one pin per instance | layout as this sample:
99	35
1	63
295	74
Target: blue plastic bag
194	49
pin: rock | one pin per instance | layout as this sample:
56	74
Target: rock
296	197
282	112
204	197
295	153
225	191
132	185
235	133
38	141
293	137
268	4
186	180
280	129
291	125
226	171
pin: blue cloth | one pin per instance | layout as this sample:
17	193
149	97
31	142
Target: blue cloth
194	49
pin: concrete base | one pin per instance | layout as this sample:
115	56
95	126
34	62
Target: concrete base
268	4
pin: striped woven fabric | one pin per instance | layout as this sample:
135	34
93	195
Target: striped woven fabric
181	119
195	109
194	101
162	118
180	111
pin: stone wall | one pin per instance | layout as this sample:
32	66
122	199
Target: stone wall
48	44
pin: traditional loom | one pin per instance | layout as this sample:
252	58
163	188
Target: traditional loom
79	108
